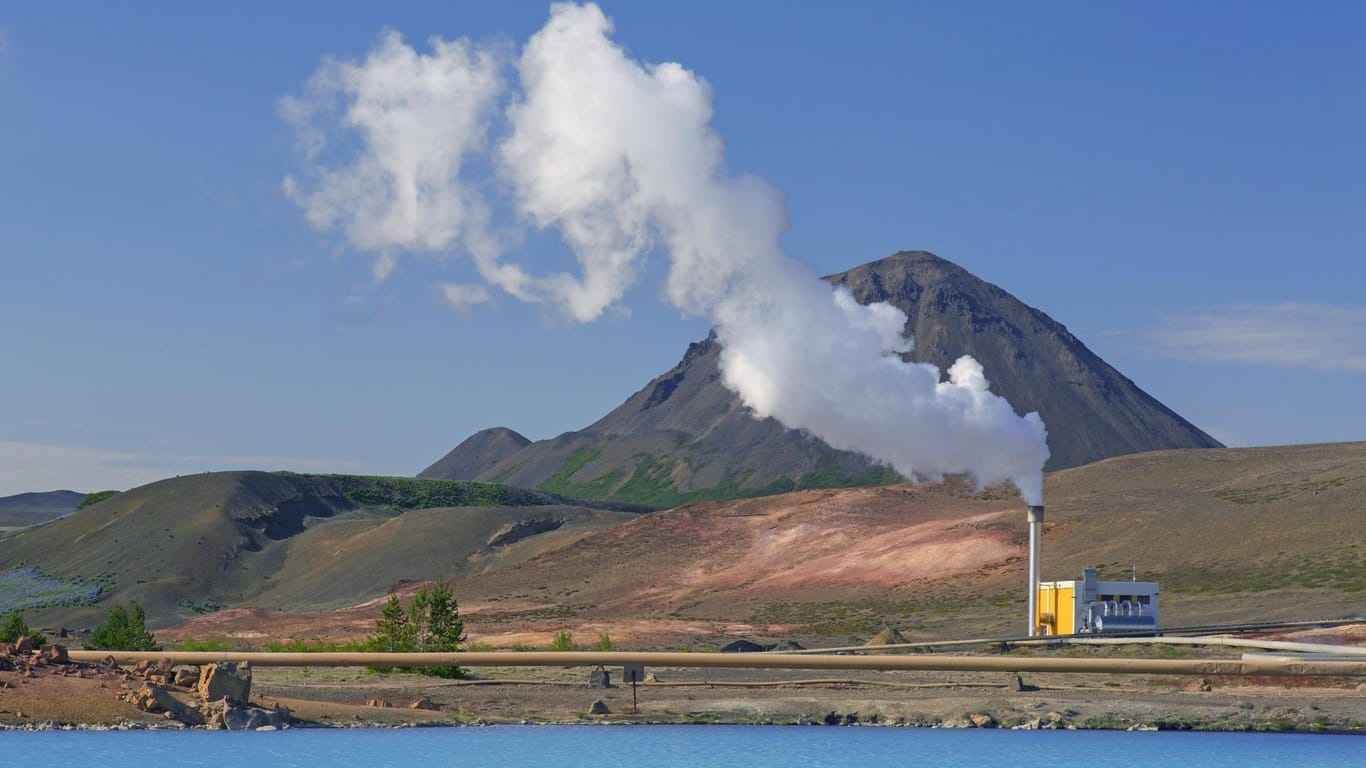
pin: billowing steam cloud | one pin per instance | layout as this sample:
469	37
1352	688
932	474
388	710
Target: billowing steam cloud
620	159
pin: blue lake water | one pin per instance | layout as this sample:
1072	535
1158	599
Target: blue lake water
711	746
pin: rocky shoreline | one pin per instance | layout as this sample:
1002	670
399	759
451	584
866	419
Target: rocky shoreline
43	689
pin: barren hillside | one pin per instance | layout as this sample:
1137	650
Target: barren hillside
1231	534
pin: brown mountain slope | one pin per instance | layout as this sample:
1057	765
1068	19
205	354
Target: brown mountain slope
1231	535
479	453
685	437
201	542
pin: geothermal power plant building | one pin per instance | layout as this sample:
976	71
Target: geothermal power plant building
1088	605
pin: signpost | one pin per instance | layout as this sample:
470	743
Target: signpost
633	673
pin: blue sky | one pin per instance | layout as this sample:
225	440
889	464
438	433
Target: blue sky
1181	184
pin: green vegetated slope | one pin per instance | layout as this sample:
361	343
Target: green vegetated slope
198	543
685	437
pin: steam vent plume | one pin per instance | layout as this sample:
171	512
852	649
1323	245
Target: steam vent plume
466	147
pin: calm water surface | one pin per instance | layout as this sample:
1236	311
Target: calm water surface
679	747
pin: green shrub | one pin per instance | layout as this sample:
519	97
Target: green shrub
123	630
15	628
562	641
94	498
604	643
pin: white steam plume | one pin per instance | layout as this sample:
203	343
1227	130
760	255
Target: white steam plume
620	159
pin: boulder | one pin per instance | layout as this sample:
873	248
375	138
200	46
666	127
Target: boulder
153	698
599	678
251	718
187	677
982	720
225	679
888	636
224	715
423	703
55	654
23	645
599	707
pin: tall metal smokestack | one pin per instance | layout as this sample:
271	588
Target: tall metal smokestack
1035	533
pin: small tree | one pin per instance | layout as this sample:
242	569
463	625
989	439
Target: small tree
393	631
15	628
562	641
123	630
431	624
442	631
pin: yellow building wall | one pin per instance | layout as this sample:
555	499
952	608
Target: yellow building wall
1057	609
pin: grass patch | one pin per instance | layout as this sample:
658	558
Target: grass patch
1344	570
1271	492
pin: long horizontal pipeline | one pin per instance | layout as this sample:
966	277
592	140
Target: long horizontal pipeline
936	663
1232	642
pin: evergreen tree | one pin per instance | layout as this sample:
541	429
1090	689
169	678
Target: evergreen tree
419	613
123	630
15	628
430	624
393	630
444	629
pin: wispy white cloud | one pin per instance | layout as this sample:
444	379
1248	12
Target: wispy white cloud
462	296
28	467
1305	336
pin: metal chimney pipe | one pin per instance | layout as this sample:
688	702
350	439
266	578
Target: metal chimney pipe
1035	533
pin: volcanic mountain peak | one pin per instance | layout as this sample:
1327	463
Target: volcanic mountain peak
686	437
477	453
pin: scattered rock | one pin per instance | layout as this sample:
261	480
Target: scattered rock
981	720
888	636
251	718
424	703
1199	685
187	677
55	654
599	707
153	698
225	679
